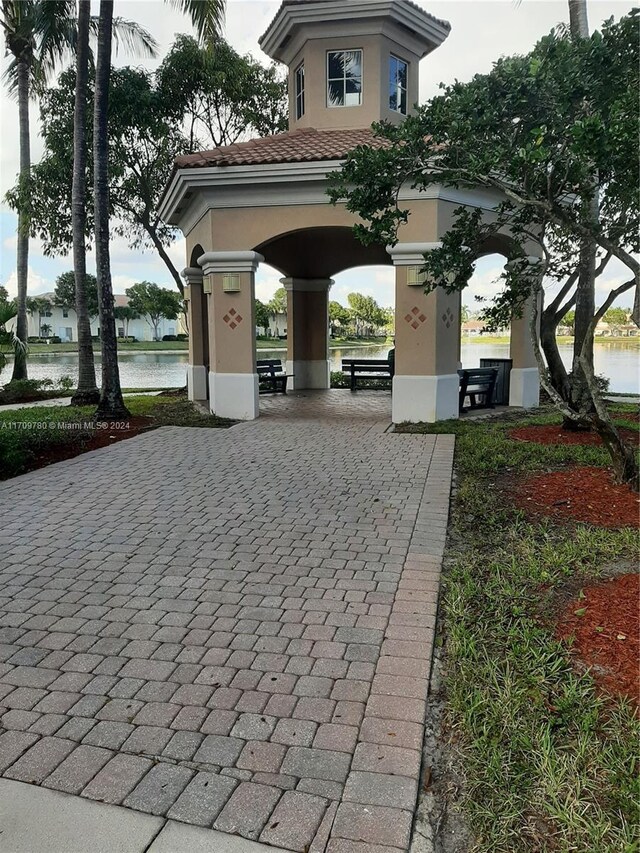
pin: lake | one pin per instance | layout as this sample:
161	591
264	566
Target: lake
160	370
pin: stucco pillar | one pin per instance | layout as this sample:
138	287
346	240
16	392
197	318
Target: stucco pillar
198	338
426	382
229	279
524	388
308	332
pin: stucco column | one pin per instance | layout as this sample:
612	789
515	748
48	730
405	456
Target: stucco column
426	382
198	345
229	279
524	388
308	332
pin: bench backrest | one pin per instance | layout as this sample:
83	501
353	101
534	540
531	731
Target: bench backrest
479	375
269	366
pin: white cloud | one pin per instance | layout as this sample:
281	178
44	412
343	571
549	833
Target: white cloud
35	283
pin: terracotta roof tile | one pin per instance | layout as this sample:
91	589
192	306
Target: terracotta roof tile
297	146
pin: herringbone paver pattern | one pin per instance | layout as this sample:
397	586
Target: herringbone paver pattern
231	627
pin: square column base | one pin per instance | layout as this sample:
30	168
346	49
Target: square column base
524	387
425	399
309	374
196	382
234	395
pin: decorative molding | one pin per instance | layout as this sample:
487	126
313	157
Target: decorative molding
229	262
410	254
192	275
192	192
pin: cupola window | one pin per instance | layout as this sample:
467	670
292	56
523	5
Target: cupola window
344	78
299	89
398	85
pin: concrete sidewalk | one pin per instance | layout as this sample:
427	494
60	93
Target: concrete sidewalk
34	820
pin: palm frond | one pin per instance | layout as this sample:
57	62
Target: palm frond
55	28
207	16
131	37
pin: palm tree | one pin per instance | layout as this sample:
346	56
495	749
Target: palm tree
136	38
206	16
37	35
87	391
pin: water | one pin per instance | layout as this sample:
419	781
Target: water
159	370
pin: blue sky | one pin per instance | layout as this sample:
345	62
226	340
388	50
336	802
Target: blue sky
481	32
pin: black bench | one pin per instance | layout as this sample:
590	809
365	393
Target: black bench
271	377
478	384
371	369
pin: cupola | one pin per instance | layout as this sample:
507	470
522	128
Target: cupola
351	62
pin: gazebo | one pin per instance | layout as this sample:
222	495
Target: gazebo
264	200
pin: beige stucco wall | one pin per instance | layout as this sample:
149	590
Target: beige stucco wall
232	350
376	50
249	228
427	329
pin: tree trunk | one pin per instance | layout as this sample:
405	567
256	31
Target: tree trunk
578	20
557	371
111	405
581	399
152	232
22	261
87	391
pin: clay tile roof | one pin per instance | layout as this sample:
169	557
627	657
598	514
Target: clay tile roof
297	146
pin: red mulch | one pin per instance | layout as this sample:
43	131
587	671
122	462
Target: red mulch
585	494
556	435
99	438
606	627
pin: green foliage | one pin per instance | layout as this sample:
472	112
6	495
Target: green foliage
65	292
8	341
278	303
154	303
339	315
548	764
616	317
366	312
569	319
262	315
219	95
199	97
535	129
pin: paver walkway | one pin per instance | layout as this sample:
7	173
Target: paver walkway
231	628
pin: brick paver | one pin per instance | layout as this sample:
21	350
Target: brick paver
231	627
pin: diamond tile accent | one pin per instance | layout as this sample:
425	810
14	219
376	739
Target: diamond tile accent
232	319
415	318
447	318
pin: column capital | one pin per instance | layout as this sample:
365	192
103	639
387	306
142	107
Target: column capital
192	275
307	285
226	262
410	254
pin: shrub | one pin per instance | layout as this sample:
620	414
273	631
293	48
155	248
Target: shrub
182	337
55	339
169	338
339	379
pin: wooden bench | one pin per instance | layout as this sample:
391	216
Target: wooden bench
371	369
271	377
478	384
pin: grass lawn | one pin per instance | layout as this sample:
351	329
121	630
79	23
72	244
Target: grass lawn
34	437
549	762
